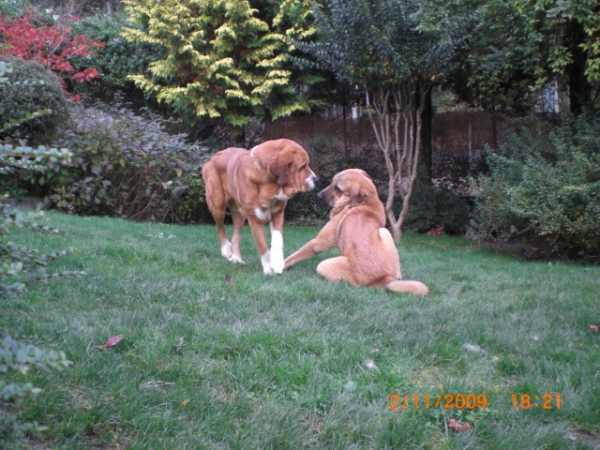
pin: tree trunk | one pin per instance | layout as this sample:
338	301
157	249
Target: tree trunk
580	90
426	127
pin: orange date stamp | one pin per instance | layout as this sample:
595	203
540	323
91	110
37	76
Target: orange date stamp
446	401
472	401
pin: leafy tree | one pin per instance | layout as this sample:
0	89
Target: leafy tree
380	47
522	45
222	60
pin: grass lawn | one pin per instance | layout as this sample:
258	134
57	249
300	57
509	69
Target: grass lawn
293	361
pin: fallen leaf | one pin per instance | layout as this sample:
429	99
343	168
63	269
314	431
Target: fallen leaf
458	426
370	364
317	428
178	346
111	342
229	280
474	348
595	327
435	231
156	384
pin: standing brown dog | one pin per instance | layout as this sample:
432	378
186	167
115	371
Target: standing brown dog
368	254
256	185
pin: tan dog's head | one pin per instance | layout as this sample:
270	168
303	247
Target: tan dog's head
287	162
351	187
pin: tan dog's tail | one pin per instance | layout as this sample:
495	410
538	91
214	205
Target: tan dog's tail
414	287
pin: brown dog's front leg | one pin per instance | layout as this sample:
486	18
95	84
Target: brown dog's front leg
259	235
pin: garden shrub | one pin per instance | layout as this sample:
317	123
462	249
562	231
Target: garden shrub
22	97
13	8
50	41
544	188
191	206
19	357
20	267
118	58
123	165
434	207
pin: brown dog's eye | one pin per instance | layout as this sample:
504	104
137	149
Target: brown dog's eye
304	167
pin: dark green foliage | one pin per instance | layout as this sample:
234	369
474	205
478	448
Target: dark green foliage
22	97
438	207
13	8
326	159
119	58
20	267
544	188
123	165
16	356
191	204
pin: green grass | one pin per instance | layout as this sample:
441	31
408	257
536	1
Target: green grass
281	361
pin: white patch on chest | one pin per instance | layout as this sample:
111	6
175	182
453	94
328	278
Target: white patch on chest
266	210
280	195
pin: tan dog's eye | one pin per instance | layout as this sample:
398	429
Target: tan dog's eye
337	189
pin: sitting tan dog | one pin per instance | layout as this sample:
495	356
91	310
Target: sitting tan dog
356	227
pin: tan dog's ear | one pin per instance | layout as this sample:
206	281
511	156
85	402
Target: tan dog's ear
279	168
357	197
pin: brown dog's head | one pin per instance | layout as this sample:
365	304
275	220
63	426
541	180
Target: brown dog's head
351	187
287	163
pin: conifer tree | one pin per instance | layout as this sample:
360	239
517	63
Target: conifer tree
222	59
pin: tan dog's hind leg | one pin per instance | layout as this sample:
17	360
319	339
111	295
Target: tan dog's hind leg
336	269
390	246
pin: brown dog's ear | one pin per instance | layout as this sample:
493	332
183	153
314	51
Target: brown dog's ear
279	168
357	198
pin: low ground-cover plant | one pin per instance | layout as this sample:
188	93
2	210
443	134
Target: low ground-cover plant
20	267
123	165
544	188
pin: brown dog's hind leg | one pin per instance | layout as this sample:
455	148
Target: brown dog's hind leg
238	224
215	198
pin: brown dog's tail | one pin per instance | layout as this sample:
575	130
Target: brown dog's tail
414	287
208	174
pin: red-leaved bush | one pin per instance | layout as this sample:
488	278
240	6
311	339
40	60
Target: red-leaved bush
32	38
